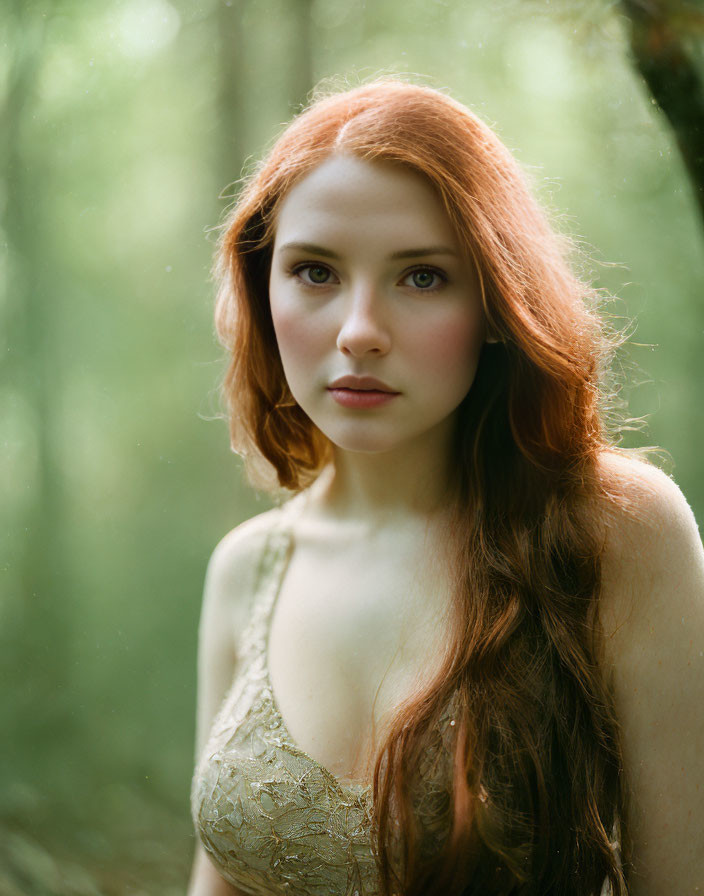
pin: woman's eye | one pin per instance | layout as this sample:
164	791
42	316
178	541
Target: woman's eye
424	279
314	274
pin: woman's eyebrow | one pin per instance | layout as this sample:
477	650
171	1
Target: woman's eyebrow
403	253
310	247
418	253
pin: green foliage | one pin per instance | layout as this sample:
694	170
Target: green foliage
123	122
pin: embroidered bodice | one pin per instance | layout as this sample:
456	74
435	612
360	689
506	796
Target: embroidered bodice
273	820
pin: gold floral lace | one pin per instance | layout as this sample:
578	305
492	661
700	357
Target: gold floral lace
273	820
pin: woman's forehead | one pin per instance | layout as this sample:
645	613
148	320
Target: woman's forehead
345	194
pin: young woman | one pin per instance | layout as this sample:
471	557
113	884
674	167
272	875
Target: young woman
466	656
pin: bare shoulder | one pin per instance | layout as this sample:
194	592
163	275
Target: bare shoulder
651	498
653	609
231	581
651	532
653	560
233	566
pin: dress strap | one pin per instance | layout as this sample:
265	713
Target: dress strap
273	562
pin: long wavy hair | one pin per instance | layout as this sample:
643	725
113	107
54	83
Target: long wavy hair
537	786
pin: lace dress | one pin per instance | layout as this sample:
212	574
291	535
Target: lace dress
274	821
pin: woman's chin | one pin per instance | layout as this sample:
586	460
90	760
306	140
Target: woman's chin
361	443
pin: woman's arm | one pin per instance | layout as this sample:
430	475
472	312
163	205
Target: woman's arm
205	880
227	596
654	607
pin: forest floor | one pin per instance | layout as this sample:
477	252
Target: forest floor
69	858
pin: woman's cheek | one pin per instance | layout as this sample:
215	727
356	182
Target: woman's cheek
450	347
299	338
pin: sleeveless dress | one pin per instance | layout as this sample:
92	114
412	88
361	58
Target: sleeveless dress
274	821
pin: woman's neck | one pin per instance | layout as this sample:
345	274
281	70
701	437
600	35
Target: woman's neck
387	488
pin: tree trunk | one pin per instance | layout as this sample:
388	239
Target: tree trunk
301	60
658	34
37	653
231	106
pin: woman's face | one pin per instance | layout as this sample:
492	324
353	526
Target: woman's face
368	280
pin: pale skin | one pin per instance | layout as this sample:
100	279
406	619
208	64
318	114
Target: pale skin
370	530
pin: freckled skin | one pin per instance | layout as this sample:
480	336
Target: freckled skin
367	313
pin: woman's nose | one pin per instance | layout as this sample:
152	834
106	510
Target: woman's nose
363	329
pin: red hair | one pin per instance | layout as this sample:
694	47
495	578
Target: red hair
537	785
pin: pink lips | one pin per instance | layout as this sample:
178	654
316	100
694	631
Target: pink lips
361	392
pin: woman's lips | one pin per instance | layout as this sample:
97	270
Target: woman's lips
361	398
360	383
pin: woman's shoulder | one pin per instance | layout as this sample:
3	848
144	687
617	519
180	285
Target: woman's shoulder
235	561
231	583
652	611
652	548
645	507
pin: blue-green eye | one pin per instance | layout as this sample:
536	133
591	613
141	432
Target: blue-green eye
314	274
425	279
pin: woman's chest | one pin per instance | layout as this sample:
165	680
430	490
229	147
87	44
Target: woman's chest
349	641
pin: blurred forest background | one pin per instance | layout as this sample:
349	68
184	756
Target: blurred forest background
125	124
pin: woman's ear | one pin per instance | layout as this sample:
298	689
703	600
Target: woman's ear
487	338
